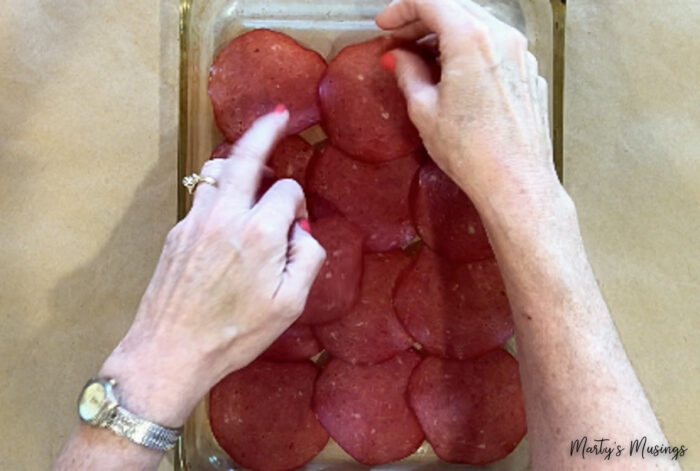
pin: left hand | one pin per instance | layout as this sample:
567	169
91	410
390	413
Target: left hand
233	275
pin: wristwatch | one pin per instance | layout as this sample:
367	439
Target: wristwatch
98	406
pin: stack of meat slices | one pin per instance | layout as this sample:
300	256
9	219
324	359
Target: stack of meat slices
409	307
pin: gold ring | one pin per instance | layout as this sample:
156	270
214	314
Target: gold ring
191	181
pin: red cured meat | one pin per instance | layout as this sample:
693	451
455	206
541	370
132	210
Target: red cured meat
370	333
320	208
375	197
261	416
337	284
259	70
296	343
471	411
445	217
454	310
221	151
364	112
364	408
290	159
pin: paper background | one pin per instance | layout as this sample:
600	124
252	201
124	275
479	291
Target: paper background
88	116
632	165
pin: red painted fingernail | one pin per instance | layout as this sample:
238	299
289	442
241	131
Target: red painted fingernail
305	226
388	61
280	108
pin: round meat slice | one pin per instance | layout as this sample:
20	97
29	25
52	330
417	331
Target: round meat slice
445	217
370	333
454	310
290	159
375	197
337	284
296	343
262	417
472	410
364	112
364	408
259	70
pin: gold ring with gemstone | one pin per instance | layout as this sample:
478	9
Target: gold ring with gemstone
191	181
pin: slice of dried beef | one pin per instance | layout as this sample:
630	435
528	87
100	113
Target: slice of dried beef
261	416
454	310
259	70
364	112
337	284
374	197
364	408
471	411
370	333
296	343
445	217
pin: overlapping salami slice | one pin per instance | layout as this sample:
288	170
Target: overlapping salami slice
296	343
261	416
375	197
259	70
290	159
453	310
337	284
364	408
471	411
364	112
445	217
370	333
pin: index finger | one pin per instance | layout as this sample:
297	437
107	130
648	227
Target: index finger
439	16
242	171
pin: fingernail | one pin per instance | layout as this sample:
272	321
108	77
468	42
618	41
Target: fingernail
388	61
305	226
280	108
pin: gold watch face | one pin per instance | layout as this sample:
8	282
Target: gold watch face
92	401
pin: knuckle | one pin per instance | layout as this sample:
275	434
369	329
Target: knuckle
478	33
260	229
415	108
517	39
289	187
213	224
292	305
212	168
176	234
532	61
176	231
317	251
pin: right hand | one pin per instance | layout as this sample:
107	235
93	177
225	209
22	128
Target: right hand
486	122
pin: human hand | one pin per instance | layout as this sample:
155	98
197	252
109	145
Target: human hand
233	275
486	122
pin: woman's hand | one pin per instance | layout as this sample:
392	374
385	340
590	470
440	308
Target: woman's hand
485	123
233	275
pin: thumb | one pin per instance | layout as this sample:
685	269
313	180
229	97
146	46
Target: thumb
414	78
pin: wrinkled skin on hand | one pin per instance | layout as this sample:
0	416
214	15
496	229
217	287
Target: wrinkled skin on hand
233	275
485	122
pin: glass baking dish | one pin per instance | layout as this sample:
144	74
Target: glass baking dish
325	26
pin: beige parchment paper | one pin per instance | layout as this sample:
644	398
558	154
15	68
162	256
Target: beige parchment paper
88	118
632	165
